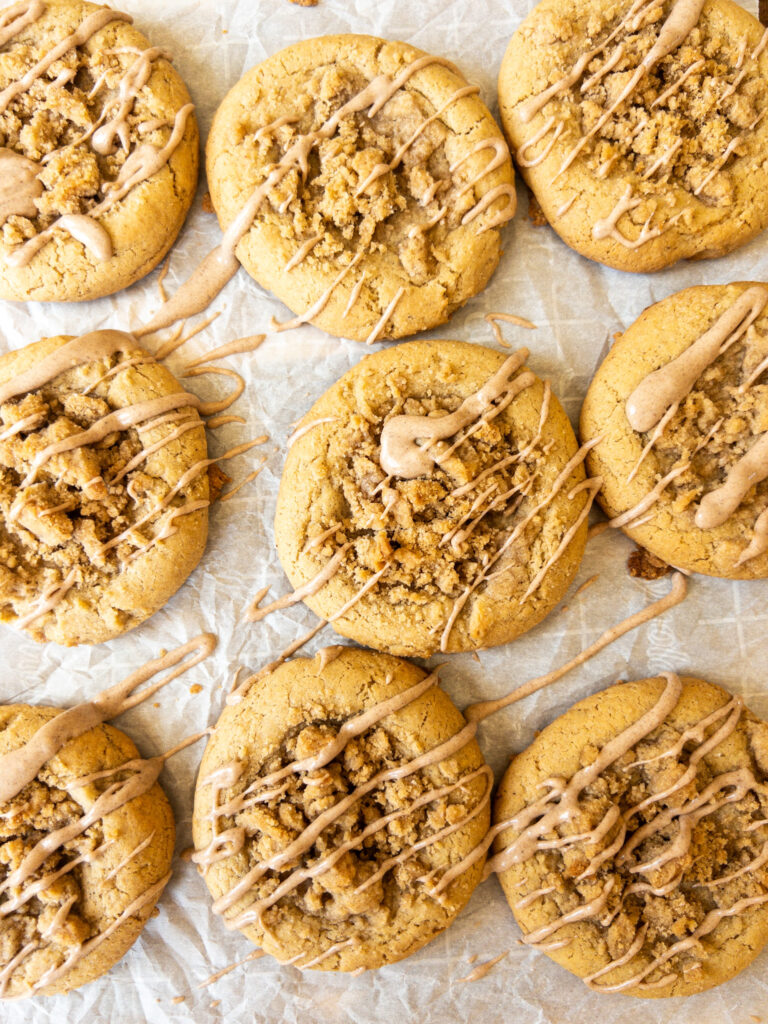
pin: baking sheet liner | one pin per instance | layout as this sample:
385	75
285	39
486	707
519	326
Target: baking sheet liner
719	632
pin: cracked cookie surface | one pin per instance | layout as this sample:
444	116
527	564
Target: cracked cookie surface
84	519
716	410
404	201
660	856
108	872
436	539
102	145
673	170
354	853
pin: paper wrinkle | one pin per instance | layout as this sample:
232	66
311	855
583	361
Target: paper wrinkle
718	632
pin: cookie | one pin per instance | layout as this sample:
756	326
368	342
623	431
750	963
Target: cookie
362	182
680	408
331	801
98	151
640	126
635	850
463	544
85	852
103	489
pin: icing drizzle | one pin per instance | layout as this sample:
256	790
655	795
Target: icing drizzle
400	454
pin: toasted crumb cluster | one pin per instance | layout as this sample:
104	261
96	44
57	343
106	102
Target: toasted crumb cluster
645	566
742	418
55	115
694	125
58	523
386	215
330	898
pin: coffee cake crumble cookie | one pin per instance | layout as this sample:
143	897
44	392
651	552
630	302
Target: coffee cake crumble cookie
85	852
433	499
640	125
332	799
362	181
679	414
632	843
86	833
103	487
98	151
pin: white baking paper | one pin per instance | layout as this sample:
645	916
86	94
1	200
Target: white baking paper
718	633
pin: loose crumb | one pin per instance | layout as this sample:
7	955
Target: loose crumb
536	214
178	999
647	566
207	203
196	688
305	3
217	480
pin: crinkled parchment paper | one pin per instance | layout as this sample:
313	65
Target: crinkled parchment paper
719	632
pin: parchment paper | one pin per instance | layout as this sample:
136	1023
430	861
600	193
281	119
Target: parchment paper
719	632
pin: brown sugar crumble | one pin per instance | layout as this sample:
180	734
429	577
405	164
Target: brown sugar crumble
330	201
681	110
409	523
734	417
52	119
87	510
336	895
